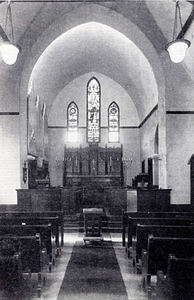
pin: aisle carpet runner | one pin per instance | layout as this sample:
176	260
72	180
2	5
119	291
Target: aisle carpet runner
93	273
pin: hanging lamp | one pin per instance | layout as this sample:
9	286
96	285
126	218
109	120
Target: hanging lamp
178	47
9	51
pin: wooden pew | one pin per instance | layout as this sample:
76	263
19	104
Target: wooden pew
32	230
37	214
140	240
156	256
33	220
178	283
127	214
132	225
11	270
29	249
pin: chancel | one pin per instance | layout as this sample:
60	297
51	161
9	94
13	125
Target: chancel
97	156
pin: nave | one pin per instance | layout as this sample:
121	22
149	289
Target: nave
132	281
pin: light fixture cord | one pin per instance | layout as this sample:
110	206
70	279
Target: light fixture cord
179	12
9	19
177	16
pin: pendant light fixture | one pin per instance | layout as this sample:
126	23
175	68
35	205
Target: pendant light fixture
9	51
177	48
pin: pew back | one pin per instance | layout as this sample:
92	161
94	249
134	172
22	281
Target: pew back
31	220
143	231
132	224
159	249
178	284
38	215
128	214
29	247
30	230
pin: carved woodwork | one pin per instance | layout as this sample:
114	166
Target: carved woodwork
93	164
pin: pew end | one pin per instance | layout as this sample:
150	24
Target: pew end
178	283
155	259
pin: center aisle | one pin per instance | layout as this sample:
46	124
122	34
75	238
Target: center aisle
93	272
88	276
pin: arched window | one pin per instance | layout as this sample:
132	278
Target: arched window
93	111
113	122
72	122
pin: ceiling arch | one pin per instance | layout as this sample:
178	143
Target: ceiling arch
94	46
108	46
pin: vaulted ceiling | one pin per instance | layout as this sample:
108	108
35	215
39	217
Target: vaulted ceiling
122	40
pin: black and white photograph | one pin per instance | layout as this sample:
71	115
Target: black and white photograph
96	150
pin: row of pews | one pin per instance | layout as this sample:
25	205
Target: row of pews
161	244
30	242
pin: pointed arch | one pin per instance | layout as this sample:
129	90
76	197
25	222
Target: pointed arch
113	122
93	110
72	122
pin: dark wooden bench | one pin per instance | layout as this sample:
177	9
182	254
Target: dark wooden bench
37	214
34	220
127	214
156	256
29	250
11	270
178	284
32	230
132	225
140	240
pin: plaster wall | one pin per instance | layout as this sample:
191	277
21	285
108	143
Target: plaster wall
9	158
179	88
9	135
130	138
180	128
179	94
147	138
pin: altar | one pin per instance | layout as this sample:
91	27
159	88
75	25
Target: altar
93	166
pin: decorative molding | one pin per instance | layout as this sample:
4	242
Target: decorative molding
180	112
9	113
102	127
129	127
57	127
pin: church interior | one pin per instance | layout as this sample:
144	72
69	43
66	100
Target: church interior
97	149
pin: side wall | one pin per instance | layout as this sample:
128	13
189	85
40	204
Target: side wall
179	131
10	169
180	149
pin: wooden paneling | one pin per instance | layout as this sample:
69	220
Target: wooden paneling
39	200
153	200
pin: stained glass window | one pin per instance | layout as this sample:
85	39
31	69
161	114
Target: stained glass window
113	122
93	111
72	122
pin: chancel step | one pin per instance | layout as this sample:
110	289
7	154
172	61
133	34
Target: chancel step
76	223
